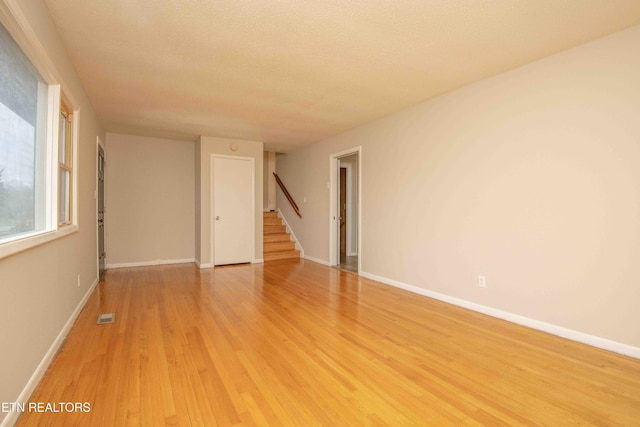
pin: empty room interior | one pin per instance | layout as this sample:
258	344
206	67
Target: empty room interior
320	213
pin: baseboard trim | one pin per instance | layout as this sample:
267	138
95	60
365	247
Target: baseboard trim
318	260
560	331
148	263
203	266
12	417
258	261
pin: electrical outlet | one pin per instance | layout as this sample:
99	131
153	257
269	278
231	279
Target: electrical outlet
482	281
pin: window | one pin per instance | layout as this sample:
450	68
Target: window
65	158
37	149
23	108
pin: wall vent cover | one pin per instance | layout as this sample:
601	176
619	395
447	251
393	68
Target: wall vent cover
106	318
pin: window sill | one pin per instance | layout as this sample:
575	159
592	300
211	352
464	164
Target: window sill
11	248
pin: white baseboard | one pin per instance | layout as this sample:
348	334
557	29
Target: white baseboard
257	261
352	254
293	235
27	391
318	260
560	331
205	265
148	263
202	266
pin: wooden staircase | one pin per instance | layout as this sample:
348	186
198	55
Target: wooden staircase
277	242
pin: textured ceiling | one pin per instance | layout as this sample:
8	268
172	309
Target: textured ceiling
290	73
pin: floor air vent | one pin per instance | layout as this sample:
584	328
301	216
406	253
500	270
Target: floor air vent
106	318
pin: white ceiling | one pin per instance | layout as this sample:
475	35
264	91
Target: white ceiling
293	72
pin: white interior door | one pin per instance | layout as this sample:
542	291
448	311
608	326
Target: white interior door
232	210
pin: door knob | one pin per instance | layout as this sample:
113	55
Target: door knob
217	218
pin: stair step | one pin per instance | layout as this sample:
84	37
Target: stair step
279	247
277	242
279	237
272	221
274	229
272	256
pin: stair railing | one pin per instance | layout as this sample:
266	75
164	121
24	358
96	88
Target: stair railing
287	195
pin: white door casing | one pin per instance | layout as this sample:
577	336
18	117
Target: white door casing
334	164
232	209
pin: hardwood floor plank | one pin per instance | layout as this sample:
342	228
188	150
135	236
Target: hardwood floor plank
297	343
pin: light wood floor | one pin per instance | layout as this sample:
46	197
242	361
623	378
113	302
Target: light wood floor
297	343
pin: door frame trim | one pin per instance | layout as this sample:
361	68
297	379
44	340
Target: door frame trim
334	182
212	204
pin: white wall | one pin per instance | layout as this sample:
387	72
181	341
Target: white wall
149	200
38	287
531	178
265	180
269	181
206	146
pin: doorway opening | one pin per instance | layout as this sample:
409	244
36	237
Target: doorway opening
100	208
345	210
